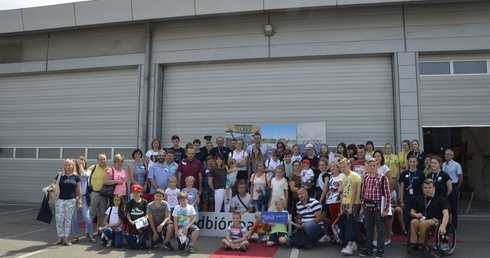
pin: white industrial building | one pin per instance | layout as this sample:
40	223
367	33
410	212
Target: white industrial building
109	75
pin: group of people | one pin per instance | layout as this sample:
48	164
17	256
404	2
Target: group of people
318	189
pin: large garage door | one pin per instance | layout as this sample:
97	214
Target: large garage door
455	90
353	96
46	117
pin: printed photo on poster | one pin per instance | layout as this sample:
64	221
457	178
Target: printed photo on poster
313	133
272	134
240	131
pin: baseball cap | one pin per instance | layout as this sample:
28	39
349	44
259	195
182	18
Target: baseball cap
136	188
309	146
306	161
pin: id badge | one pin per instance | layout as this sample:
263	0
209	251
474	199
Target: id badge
410	191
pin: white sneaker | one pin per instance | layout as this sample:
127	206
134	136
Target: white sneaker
354	246
324	239
387	242
109	243
347	250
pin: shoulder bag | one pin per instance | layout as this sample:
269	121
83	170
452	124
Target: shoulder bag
108	190
54	189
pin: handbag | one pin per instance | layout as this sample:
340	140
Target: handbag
54	189
108	190
45	214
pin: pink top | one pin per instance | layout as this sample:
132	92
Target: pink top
119	175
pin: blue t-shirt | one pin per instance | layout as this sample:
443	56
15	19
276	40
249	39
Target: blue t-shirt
205	181
191	195
68	186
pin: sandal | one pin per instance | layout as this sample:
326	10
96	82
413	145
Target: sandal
74	240
92	239
58	242
68	243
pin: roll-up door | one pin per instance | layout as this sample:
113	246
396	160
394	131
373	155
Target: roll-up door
97	108
78	110
354	96
455	90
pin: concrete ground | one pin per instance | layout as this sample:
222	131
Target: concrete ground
22	236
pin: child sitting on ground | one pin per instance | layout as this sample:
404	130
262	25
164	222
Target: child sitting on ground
236	234
259	230
307	174
279	232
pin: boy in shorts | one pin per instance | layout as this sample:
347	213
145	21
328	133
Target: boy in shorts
279	232
160	221
236	234
184	217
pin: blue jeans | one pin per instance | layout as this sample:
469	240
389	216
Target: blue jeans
312	231
259	206
116	237
86	218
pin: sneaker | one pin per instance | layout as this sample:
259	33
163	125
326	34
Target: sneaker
226	248
354	246
169	246
387	242
242	248
365	253
156	246
445	247
324	239
391	233
191	249
347	250
109	243
379	255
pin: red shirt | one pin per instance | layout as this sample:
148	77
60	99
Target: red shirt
190	168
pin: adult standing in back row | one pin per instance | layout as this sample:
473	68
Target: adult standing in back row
221	149
99	203
190	167
453	169
257	138
179	152
417	152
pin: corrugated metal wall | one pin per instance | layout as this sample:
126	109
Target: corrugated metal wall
354	96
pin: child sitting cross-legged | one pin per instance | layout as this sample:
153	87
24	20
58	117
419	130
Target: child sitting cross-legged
259	230
279	232
236	234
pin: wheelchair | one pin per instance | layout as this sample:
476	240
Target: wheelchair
440	245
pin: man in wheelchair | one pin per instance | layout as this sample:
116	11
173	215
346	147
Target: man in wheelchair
426	212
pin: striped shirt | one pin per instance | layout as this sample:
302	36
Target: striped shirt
307	211
372	190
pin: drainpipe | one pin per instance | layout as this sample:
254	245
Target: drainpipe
145	92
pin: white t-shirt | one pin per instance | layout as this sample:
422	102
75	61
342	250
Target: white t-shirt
383	170
334	185
184	214
235	202
271	164
113	216
298	158
152	157
239	157
307	174
172	197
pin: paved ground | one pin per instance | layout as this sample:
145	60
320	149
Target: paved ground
22	236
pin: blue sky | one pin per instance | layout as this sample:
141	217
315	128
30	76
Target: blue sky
16	4
278	131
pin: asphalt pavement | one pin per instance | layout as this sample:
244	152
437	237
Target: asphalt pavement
22	236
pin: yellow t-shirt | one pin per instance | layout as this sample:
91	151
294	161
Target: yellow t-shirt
392	162
97	178
347	182
402	159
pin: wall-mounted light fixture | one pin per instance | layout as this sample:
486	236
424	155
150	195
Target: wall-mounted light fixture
268	30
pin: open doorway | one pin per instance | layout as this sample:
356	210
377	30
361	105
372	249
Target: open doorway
471	146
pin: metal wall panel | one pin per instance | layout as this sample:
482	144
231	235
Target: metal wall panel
97	108
354	96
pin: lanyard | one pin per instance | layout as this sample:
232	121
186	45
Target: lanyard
426	205
411	179
434	178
